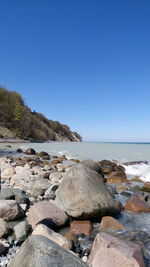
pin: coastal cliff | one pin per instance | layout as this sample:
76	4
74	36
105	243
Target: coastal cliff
17	121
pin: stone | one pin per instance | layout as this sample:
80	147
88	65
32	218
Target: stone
40	251
130	163
108	166
23	181
111	251
3	228
10	210
7	193
92	165
44	155
22	230
19	150
30	151
146	187
20	196
81	227
55	177
83	195
50	192
6	174
43	230
110	224
135	189
46	210
39	187
136	205
117	177
2	249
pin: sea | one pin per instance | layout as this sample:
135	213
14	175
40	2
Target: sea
119	152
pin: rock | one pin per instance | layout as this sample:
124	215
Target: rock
22	230
117	177
43	230
19	150
6	174
137	205
40	187
55	177
82	194
81	227
30	151
92	165
43	252
20	196
146	187
108	166
7	193
44	155
3	228
2	249
110	224
50	192
135	189
62	167
46	211
136	179
10	210
83	245
130	163
111	251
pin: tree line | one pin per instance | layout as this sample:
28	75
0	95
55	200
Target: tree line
25	124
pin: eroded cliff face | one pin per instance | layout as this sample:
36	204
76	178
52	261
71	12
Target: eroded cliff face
18	121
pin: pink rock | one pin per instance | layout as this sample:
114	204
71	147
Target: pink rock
110	251
46	210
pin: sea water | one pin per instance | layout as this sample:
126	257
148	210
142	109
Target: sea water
120	152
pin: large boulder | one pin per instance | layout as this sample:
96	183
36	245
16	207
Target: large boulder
39	251
10	210
82	194
46	210
111	251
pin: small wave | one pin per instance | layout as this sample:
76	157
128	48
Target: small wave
140	170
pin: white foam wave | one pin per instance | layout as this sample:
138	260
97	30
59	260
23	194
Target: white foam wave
140	170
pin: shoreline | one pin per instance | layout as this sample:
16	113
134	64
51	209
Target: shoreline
35	181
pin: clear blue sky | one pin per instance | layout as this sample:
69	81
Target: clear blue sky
85	63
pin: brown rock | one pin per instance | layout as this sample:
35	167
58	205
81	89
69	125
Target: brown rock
43	230
81	227
109	224
117	177
70	236
10	210
30	151
146	187
110	251
46	210
135	162
44	155
137	205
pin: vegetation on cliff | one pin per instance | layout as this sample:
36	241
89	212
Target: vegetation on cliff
23	123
